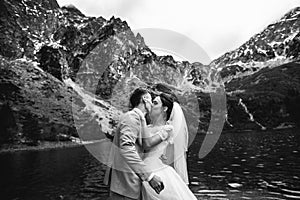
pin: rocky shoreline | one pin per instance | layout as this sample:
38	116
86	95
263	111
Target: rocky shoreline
46	145
12	148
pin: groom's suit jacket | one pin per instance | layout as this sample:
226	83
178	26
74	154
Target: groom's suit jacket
128	169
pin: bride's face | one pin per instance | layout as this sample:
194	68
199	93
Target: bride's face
157	109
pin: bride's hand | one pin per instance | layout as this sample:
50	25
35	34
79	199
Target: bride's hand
166	132
170	130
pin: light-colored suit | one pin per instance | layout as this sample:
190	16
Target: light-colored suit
128	169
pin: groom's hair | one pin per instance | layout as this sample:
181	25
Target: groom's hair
136	96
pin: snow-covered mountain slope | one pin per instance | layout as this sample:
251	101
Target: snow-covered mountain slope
277	44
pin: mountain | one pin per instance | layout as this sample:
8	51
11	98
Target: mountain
262	77
277	44
62	72
65	74
267	99
38	104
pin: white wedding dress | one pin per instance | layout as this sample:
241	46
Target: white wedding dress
174	186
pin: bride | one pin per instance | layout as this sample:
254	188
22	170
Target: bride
167	125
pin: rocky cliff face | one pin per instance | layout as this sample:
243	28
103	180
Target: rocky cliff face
63	73
265	100
37	104
55	60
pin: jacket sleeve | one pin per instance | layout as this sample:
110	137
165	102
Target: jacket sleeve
129	133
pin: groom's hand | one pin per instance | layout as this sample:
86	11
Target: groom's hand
164	159
157	184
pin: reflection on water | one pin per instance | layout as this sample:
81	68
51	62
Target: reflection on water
249	166
54	174
241	166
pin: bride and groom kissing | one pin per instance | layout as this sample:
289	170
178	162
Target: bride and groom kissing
149	161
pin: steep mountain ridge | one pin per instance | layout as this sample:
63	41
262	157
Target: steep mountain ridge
77	52
277	44
262	77
63	73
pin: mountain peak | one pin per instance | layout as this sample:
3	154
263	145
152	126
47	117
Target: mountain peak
275	45
72	8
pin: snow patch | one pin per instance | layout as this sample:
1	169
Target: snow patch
119	41
69	6
284	126
236	92
291	37
290	19
259	50
250	115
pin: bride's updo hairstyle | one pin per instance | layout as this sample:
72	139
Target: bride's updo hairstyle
167	101
159	87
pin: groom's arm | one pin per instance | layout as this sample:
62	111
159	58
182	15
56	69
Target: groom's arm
129	133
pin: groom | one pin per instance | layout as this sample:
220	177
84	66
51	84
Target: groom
128	169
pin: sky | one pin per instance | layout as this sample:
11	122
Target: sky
217	26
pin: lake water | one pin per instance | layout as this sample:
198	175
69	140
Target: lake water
262	165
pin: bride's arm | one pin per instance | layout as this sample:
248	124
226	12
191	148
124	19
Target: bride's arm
151	140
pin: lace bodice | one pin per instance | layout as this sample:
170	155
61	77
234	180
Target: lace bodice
152	157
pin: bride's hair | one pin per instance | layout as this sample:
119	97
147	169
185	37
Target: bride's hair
160	87
167	101
167	96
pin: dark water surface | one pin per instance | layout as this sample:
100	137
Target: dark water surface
241	166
